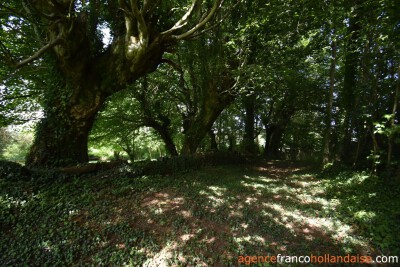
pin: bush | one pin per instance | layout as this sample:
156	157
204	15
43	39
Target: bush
182	163
13	171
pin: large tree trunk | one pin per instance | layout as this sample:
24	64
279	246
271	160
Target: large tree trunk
62	137
60	144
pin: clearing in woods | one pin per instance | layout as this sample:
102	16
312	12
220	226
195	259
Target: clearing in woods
208	217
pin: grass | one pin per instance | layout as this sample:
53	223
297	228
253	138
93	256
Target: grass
200	218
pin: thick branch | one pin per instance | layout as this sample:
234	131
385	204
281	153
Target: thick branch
142	27
40	52
173	64
51	16
214	25
210	15
183	21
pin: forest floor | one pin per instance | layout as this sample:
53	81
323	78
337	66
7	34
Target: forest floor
209	217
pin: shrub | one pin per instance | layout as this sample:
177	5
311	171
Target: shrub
13	171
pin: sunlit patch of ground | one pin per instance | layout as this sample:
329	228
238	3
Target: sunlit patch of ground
221	213
208	218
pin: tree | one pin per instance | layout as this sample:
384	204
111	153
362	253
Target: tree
207	87
88	70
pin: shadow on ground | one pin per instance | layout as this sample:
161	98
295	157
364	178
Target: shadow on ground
201	218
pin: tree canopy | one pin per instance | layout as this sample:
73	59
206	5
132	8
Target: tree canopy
289	79
197	132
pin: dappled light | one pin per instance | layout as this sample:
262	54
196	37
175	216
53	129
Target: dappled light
203	218
199	133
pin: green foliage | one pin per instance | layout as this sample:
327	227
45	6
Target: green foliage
209	216
184	163
12	171
371	203
5	140
384	127
286	66
18	146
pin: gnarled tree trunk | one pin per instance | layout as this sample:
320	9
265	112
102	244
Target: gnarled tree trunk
61	140
89	73
213	102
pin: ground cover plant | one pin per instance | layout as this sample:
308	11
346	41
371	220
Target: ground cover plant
207	217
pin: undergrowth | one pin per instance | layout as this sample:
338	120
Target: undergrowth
198	218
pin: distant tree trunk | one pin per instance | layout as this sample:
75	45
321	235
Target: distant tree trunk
213	141
168	141
248	138
153	119
276	142
375	114
269	129
198	129
165	135
328	121
231	140
266	120
117	155
129	147
212	103
349	83
274	134
392	119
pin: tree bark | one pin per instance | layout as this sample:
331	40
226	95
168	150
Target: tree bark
88	73
248	138
392	120
213	141
213	102
165	136
273	133
328	121
348	94
156	120
61	141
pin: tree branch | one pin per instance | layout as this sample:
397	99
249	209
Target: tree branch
40	52
17	97
16	12
214	9
51	16
148	5
8	56
183	21
216	23
71	6
142	27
